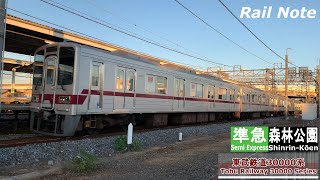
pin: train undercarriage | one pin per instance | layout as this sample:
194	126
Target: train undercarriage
47	122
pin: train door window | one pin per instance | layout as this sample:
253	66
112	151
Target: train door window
179	87
220	93
50	71
193	88
210	92
120	79
244	97
232	92
95	75
199	90
161	85
248	97
181	91
130	81
176	87
238	95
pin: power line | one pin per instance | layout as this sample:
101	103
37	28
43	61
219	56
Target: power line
216	30
101	20
131	35
127	30
83	34
253	33
144	29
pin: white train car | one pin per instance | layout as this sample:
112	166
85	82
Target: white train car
78	88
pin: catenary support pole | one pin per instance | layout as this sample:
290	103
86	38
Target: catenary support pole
3	13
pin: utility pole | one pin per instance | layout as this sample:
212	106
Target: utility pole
3	13
286	84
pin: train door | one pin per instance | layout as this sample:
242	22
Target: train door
179	94
96	86
232	94
248	108
211	94
240	99
125	88
49	82
130	89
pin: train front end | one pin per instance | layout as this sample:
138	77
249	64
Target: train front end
54	99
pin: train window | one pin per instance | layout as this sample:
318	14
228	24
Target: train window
130	83
196	90
161	85
119	80
38	67
248	97
95	75
66	66
156	84
222	94
52	49
210	92
232	94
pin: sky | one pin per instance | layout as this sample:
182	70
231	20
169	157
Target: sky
167	23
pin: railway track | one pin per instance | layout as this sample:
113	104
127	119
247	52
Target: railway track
105	133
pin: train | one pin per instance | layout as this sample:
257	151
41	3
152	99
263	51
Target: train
78	88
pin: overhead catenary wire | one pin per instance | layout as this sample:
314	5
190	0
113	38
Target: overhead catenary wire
131	35
219	32
259	39
133	32
144	29
83	34
99	19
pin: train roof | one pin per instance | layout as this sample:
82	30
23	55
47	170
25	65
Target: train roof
158	61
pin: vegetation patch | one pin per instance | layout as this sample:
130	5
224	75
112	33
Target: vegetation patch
122	146
85	162
120	143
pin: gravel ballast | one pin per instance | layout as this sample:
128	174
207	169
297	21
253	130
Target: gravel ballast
104	146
